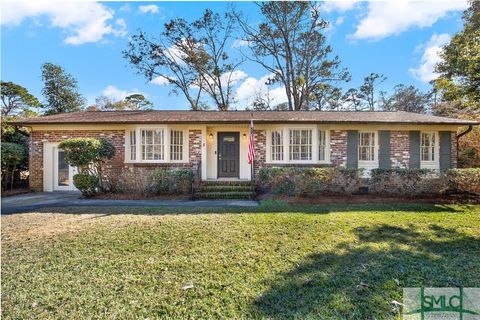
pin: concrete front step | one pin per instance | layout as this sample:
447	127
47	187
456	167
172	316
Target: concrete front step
225	188
225	195
226	183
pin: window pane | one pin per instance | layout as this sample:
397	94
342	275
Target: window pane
152	145
63	170
321	145
366	146
133	144
176	145
300	145
427	147
277	146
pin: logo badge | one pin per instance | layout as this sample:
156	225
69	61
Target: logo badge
441	303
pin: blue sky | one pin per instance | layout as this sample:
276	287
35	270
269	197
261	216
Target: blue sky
397	38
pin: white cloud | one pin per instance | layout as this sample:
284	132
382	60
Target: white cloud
425	70
126	7
252	87
338	6
385	18
232	77
151	8
116	94
239	43
83	22
160	81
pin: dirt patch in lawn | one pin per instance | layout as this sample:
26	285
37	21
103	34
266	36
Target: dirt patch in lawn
35	226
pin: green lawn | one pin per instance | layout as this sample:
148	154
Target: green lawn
276	261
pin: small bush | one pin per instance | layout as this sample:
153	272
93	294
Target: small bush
309	182
463	180
406	182
12	155
86	183
171	181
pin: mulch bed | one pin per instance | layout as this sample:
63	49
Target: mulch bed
14	192
465	198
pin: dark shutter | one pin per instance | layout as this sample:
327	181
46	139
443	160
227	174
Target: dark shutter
384	161
445	150
352	149
414	149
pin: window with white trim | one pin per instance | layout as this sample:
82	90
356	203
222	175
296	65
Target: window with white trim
133	145
366	146
153	144
276	145
176	145
300	147
427	146
322	145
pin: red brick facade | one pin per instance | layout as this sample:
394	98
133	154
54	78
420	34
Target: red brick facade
116	165
338	148
260	150
38	138
399	151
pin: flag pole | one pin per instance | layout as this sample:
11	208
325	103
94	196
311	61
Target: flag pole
252	176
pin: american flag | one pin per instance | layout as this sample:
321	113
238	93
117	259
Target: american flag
251	145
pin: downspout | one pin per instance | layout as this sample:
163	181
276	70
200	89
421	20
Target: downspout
461	134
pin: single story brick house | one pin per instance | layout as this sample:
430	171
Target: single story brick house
215	144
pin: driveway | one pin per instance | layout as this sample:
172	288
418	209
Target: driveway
33	201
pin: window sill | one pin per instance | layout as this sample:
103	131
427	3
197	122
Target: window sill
156	162
298	162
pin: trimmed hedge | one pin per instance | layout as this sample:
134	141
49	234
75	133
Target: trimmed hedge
171	181
463	180
407	182
309	182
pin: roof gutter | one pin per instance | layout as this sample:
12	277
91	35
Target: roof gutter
461	134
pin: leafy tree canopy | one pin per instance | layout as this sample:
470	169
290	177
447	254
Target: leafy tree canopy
459	80
60	90
289	43
16	99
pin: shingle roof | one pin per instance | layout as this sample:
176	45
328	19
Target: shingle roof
157	116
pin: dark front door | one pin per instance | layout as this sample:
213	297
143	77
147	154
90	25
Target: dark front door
228	154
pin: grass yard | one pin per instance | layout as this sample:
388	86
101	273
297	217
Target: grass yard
276	261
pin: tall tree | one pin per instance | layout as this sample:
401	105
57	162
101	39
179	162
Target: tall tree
16	99
327	97
459	69
289	43
353	99
406	98
16	102
191	56
137	101
162	61
367	89
134	101
60	90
